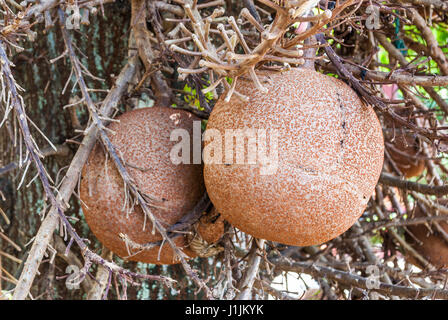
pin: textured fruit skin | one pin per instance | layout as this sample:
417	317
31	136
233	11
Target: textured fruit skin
142	138
431	245
330	155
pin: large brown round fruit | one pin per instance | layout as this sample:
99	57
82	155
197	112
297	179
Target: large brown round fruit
330	155
428	242
142	139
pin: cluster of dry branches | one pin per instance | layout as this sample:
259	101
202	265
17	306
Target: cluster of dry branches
398	65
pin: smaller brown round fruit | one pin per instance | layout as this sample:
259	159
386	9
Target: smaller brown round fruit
403	147
142	140
429	243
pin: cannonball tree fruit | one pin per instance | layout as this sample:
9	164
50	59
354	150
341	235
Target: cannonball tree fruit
142	140
319	154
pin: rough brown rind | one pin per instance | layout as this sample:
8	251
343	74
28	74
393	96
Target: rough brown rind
142	139
331	152
428	242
